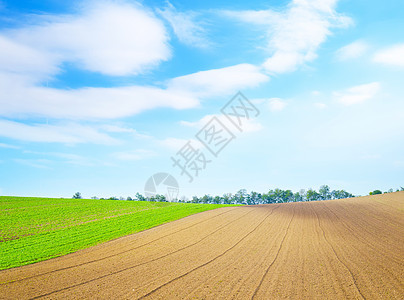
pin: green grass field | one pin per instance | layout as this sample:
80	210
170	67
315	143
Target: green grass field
36	229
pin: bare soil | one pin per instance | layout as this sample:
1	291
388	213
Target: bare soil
338	249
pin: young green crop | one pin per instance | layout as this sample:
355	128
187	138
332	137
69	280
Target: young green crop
36	229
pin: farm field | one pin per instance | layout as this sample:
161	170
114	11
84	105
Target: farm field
35	229
337	249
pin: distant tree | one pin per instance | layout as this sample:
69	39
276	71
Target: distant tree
312	195
227	199
206	199
325	193
195	199
94	197
268	197
288	196
278	195
217	200
77	196
158	198
255	198
140	197
375	192
303	193
241	197
341	194
112	198
129	198
297	197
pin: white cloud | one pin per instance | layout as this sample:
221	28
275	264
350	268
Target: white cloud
175	144
250	125
393	56
185	26
222	81
138	154
358	94
320	105
106	37
34	163
19	98
69	158
84	103
294	35
2	145
70	133
120	129
27	62
276	104
352	50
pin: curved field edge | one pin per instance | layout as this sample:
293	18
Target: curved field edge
37	229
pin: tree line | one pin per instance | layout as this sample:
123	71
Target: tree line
253	198
272	196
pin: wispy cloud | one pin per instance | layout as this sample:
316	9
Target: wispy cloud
393	56
175	144
69	133
35	163
352	50
277	104
133	155
185	26
250	125
52	158
358	94
320	105
110	103
2	145
216	82
122	129
294	34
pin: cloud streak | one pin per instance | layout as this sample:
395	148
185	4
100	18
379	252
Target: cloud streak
352	50
69	133
295	34
183	92
187	30
392	56
358	94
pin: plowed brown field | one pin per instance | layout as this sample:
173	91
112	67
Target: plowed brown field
339	249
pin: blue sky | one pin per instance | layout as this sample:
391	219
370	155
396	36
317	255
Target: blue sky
97	96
